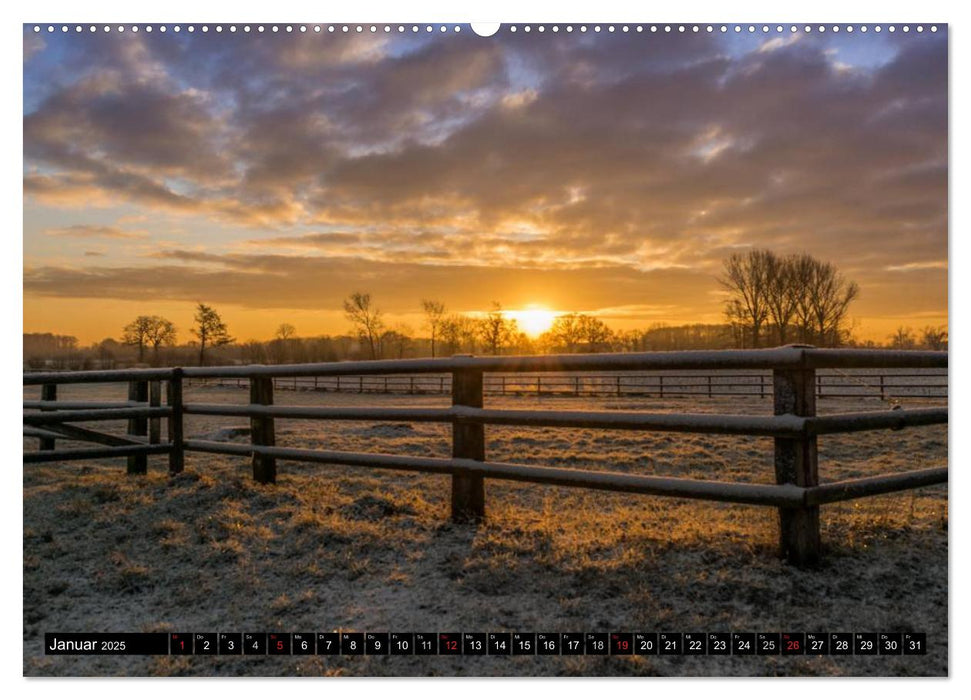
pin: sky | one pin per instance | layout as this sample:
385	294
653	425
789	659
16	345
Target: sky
271	175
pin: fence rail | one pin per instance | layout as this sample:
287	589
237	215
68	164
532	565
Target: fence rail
673	386
794	387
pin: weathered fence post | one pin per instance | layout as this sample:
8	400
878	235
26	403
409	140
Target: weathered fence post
138	391
660	386
48	392
796	463
174	400
709	386
262	430
468	442
154	423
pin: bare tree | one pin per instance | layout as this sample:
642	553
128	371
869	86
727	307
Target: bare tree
161	331
934	338
496	330
796	292
434	314
136	335
566	332
830	296
210	330
285	331
459	333
366	319
745	277
397	340
595	333
782	293
903	339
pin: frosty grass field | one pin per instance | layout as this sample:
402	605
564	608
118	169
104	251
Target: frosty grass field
331	548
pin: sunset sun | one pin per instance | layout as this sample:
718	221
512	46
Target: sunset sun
533	320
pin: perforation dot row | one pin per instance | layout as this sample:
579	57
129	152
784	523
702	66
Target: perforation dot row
428	28
246	28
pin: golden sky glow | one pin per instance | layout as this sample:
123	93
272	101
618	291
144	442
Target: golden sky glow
272	176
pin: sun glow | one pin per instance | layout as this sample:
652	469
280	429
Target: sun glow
533	320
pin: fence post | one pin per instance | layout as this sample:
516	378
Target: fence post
154	423
468	442
660	386
883	395
709	386
174	400
138	391
262	430
48	392
796	463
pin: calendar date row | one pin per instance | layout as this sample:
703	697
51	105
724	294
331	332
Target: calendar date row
490	643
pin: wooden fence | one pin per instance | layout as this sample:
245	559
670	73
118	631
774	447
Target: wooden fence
795	426
833	385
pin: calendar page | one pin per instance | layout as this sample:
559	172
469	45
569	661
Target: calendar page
525	349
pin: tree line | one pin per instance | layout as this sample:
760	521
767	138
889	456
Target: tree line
770	300
775	300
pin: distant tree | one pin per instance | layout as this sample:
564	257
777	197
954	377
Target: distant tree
496	329
434	315
796	293
105	350
366	319
210	330
459	333
566	332
934	338
745	278
253	352
631	341
595	333
285	331
136	335
161	331
903	339
782	294
396	341
829	297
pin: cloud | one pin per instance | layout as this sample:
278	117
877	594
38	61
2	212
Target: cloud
647	155
280	281
89	231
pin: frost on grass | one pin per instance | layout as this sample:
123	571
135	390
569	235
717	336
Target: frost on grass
331	548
